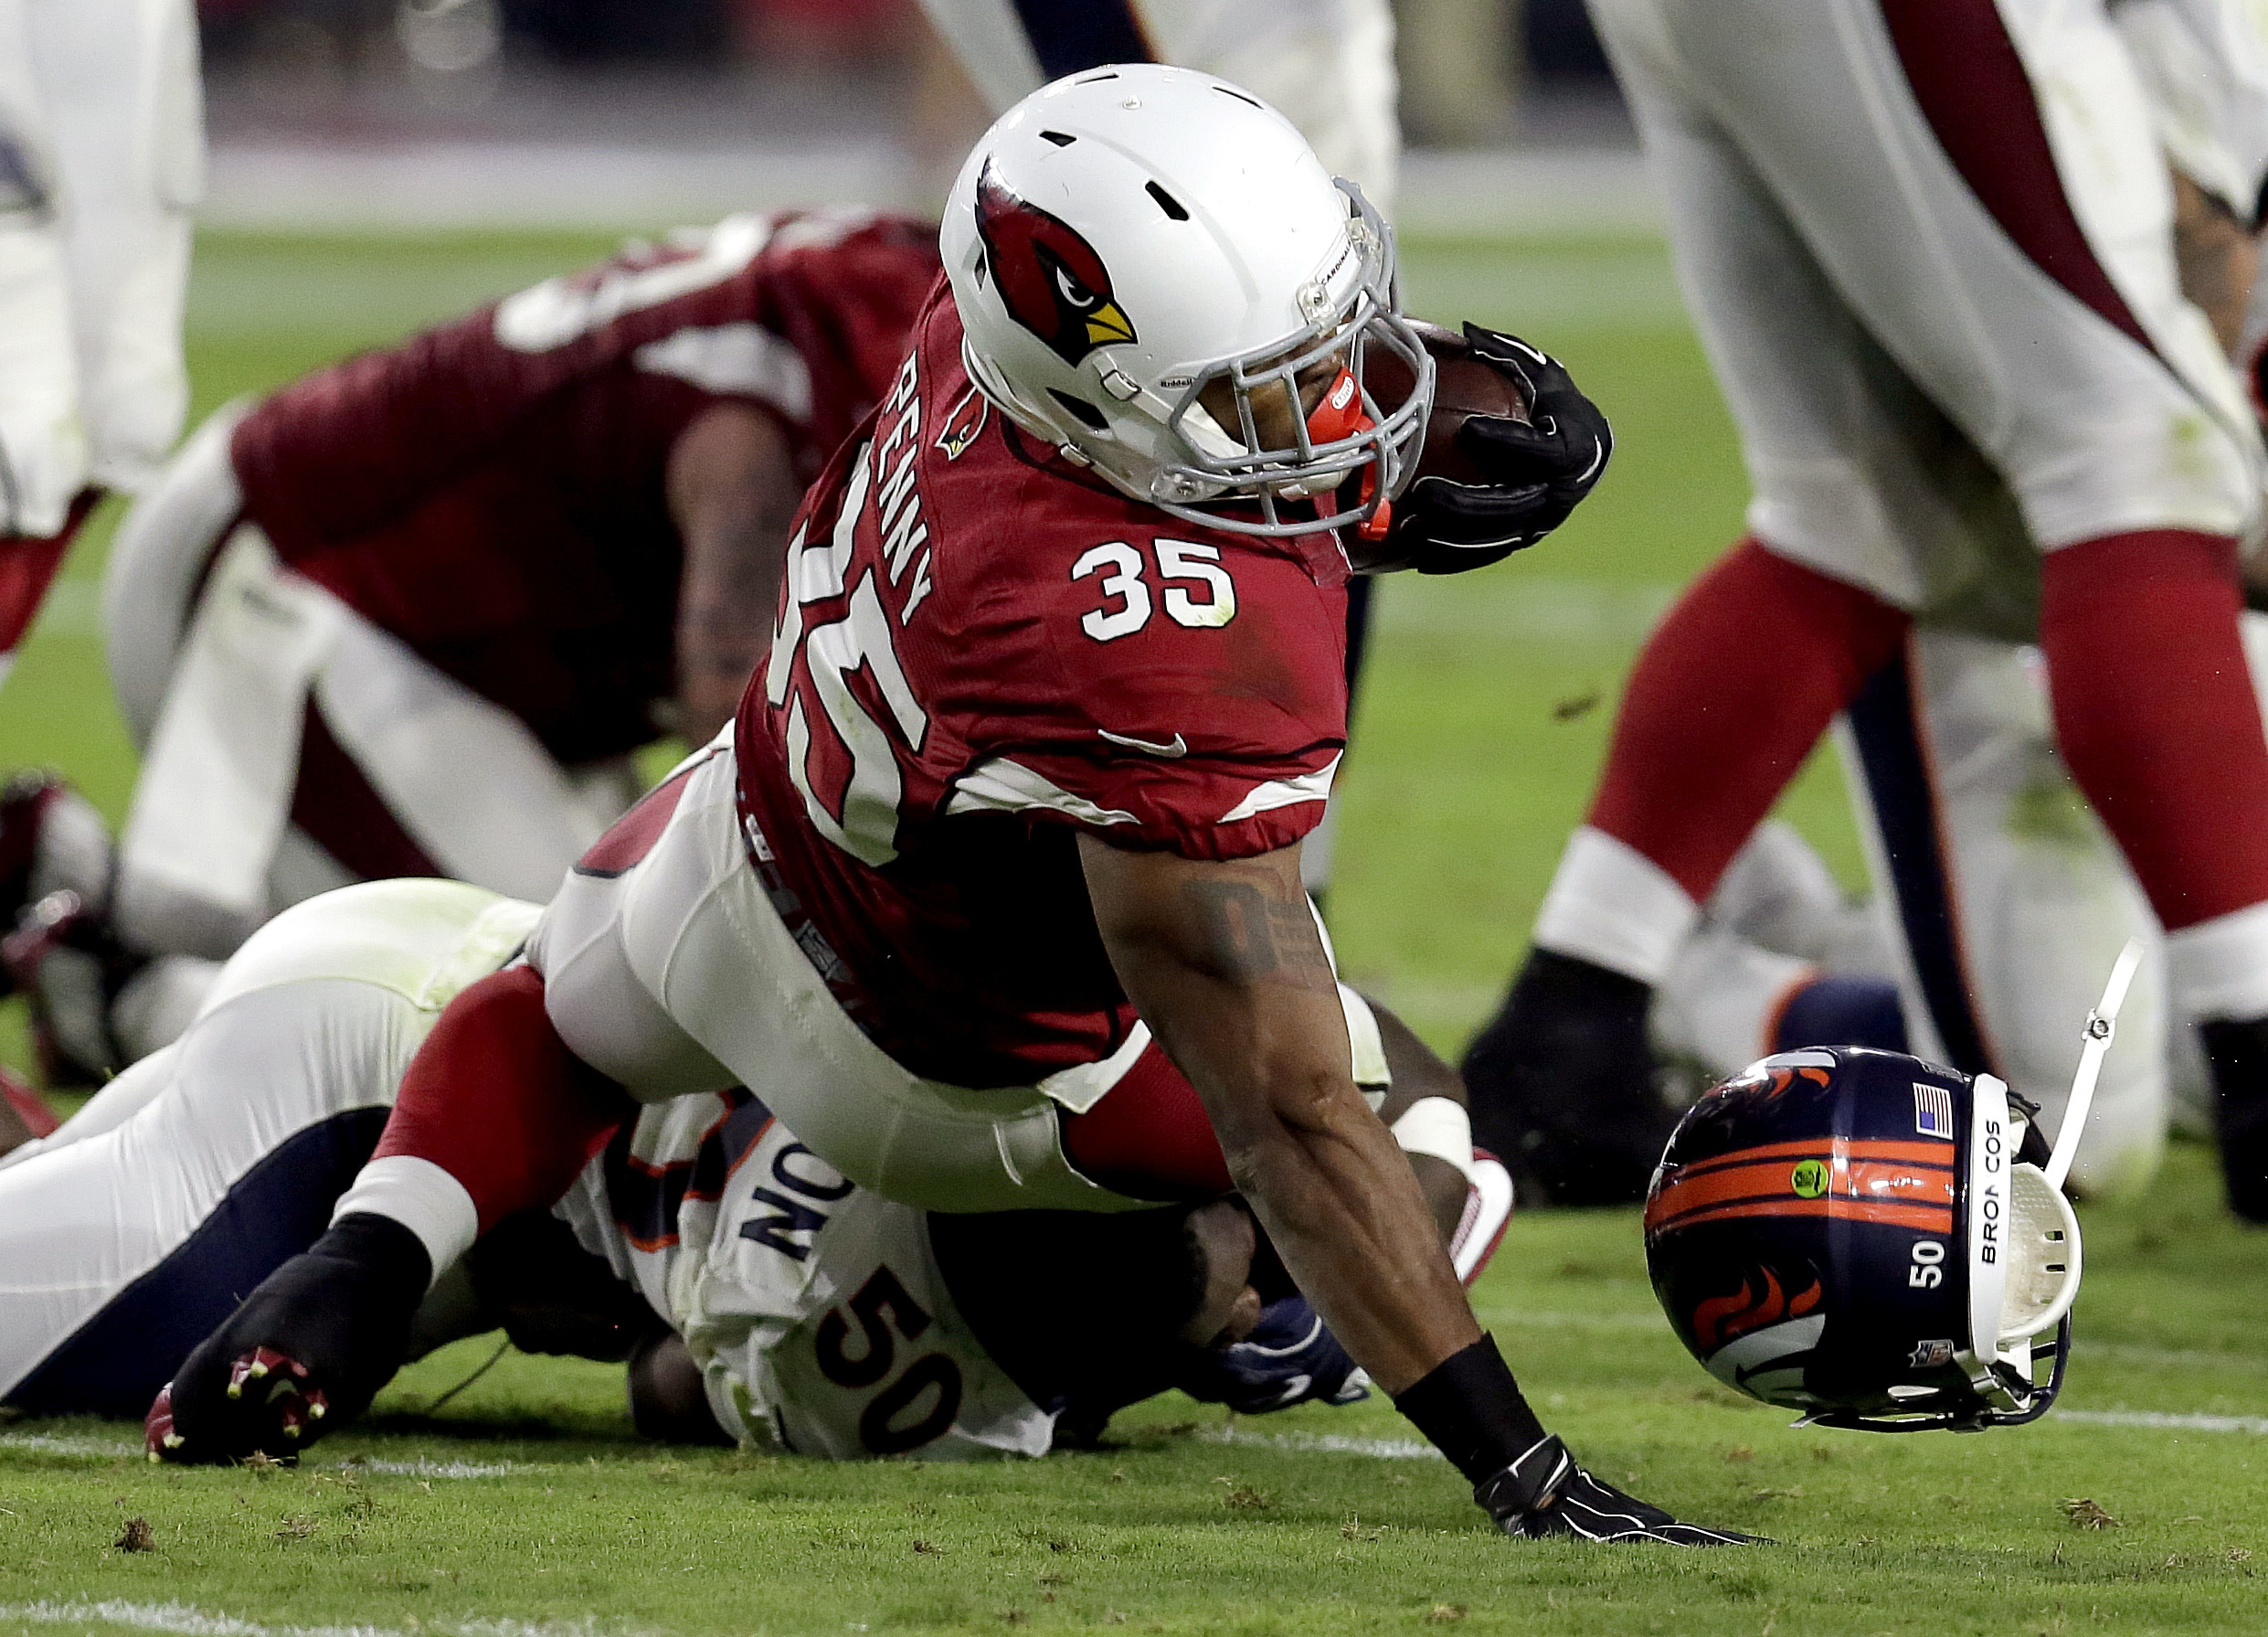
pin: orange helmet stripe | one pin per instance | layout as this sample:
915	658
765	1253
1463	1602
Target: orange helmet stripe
1925	1218
1852	1184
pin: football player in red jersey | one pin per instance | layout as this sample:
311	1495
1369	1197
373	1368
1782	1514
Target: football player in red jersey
409	615
992	892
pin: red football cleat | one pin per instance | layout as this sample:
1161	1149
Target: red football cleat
158	1436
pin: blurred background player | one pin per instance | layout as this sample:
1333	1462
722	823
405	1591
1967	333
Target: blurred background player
1325	65
1328	65
1976	405
1962	799
412	615
101	157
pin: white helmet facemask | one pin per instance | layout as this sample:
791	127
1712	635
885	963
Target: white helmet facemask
1346	429
1155	274
2026	1288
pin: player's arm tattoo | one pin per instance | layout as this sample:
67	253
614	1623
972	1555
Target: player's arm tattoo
1255	934
733	496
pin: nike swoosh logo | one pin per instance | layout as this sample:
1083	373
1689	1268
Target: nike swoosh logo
1179	747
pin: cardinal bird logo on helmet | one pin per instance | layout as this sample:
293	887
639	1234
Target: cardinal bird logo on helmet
1050	279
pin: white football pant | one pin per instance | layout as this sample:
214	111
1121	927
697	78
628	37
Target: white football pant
1325	65
101	157
2000	905
1922	407
216	691
202	1167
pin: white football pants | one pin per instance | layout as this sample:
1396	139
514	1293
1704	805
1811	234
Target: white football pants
216	691
1923	408
116	1196
101	157
1325	65
2000	906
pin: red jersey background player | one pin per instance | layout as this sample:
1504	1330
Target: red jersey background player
410	614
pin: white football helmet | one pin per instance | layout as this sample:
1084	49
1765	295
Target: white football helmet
1123	239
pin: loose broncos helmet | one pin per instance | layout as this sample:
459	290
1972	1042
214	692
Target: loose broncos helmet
1868	1239
1126	236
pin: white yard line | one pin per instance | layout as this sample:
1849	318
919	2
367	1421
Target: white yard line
2164	1421
47	1443
105	1449
444	1468
187	1621
1379	1449
1410	1449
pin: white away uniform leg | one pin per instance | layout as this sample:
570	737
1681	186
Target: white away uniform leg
131	1233
676	975
209	851
2012	900
102	156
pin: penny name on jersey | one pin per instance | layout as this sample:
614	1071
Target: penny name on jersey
897	506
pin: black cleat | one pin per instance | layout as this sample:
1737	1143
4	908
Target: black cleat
1562	1082
2238	1054
307	1351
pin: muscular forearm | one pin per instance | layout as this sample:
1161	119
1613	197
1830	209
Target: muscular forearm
1225	963
1340	1201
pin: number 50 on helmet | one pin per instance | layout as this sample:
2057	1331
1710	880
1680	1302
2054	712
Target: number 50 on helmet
1871	1239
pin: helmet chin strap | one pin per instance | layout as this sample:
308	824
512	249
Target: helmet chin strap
2101	1029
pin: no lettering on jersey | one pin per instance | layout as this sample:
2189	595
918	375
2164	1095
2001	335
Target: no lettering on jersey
984	651
493	491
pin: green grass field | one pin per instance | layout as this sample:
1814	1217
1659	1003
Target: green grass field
524	1507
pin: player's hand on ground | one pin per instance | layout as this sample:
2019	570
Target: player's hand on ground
1537	470
1289	1357
307	1350
1545	1493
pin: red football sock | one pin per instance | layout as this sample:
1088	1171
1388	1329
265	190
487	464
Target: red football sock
1149	1136
28	566
495	1098
2155	715
1728	697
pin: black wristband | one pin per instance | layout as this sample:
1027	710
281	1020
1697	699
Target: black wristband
1470	1407
390	1257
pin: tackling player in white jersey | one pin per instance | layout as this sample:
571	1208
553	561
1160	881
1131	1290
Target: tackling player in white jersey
756	1293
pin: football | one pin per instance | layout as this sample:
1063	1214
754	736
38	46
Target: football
1463	387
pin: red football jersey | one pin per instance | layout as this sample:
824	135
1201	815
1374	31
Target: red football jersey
493	491
982	652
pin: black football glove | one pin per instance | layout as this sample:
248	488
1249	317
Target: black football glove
1545	1493
1538	469
1290	1357
307	1350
